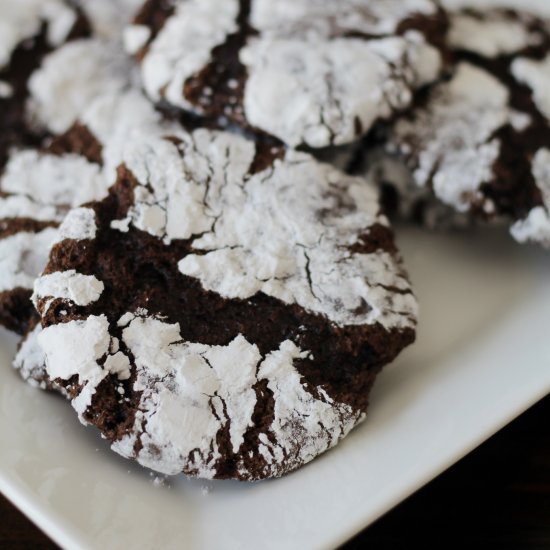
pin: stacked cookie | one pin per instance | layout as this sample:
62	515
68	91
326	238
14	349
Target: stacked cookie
194	245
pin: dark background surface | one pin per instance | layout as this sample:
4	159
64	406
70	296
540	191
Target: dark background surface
496	497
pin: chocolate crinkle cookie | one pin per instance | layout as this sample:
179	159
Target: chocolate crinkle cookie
304	71
478	142
225	310
29	29
73	104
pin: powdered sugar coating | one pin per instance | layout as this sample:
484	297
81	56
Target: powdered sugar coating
119	365
536	74
457	144
135	38
224	398
318	91
22	258
492	178
64	181
91	79
115	118
297	234
451	140
81	290
22	19
79	224
371	18
325	421
21	206
74	348
184	46
74	75
280	232
313	73
29	357
197	386
42	187
30	362
490	34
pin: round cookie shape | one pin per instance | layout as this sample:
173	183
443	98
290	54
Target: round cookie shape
478	142
232	305
308	73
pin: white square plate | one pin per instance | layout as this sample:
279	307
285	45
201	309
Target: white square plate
482	358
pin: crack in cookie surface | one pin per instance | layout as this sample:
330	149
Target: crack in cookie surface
284	69
206	355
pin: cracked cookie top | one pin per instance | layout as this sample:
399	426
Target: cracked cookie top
224	311
480	141
29	29
314	73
